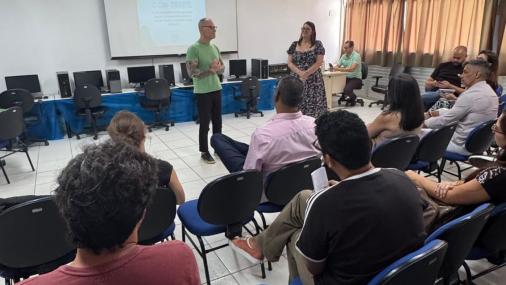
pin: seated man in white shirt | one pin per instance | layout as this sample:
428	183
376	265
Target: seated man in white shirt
286	138
476	105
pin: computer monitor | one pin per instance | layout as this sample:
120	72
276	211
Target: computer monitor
28	82
140	74
185	77
237	67
93	77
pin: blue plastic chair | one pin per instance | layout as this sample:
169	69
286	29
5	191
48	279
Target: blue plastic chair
420	267
224	206
491	243
432	147
478	140
395	153
460	234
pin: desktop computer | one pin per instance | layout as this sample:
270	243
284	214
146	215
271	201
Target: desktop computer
278	70
260	68
185	77
237	69
27	82
113	80
92	77
140	74
64	84
166	71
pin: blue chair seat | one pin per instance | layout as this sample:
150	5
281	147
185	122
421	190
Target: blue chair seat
453	156
419	165
296	281
189	216
268	207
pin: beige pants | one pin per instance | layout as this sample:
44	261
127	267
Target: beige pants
284	231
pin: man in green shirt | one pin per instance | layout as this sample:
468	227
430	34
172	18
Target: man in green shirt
204	63
350	62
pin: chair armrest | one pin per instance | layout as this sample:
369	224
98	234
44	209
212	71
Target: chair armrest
377	77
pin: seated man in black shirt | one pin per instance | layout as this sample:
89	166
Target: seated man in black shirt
350	231
445	76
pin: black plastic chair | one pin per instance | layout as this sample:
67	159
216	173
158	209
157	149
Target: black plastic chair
224	206
395	153
491	243
365	72
24	99
460	234
283	184
383	89
11	128
432	147
420	267
477	142
33	240
158	223
250	94
157	99
88	100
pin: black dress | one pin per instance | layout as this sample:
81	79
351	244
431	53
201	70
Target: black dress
314	101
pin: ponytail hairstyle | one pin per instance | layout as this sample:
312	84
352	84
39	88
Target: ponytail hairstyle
126	127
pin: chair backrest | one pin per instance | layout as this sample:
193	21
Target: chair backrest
33	234
17	97
250	87
480	138
231	199
87	96
395	153
397	68
460	234
365	70
159	216
433	145
420	267
289	180
157	89
493	235
12	123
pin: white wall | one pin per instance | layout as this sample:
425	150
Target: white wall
43	37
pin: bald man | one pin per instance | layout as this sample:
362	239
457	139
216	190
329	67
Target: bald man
445	76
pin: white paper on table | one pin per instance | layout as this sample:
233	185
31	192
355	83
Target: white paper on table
320	179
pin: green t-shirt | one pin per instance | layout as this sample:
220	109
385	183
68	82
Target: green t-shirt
346	61
204	54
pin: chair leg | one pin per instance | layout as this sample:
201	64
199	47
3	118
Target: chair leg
183	238
94	125
29	159
204	259
5	174
264	223
459	171
173	236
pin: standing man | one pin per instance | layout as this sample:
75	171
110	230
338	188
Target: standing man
350	62
204	63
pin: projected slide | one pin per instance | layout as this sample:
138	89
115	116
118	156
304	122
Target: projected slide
164	22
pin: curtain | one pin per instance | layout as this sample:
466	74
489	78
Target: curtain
435	27
376	28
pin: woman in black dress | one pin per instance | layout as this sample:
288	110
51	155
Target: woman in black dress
305	57
126	127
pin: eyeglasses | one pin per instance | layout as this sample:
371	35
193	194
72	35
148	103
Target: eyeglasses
211	27
495	129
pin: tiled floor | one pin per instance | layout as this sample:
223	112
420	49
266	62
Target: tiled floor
179	146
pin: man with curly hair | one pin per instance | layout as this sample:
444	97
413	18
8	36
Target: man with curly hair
350	231
102	195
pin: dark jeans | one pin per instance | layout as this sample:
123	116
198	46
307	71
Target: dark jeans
232	153
430	98
352	84
209	107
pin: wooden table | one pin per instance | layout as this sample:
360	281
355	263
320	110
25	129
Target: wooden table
334	83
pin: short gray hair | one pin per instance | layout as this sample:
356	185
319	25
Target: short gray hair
290	91
482	66
201	21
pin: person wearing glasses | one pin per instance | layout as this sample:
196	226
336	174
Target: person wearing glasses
305	58
204	63
347	233
476	105
484	185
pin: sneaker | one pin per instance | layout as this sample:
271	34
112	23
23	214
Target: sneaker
244	247
207	157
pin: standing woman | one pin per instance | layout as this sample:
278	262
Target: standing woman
305	57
